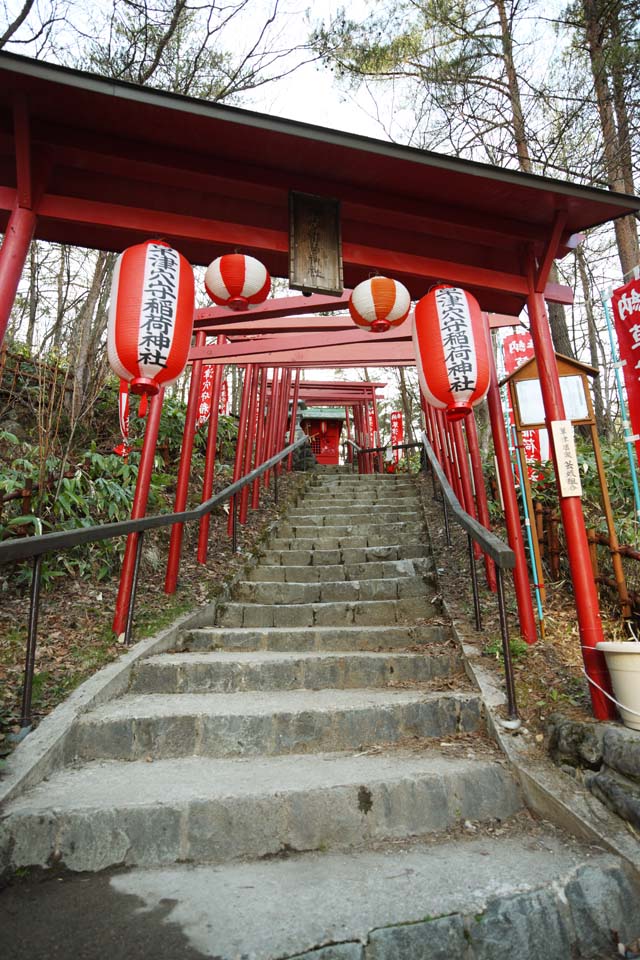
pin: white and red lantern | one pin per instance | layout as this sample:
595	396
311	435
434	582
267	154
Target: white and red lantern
237	281
150	316
379	303
451	349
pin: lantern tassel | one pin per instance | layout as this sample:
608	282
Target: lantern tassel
143	406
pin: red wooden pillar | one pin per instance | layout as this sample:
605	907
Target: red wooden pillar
465	477
294	410
284	415
587	607
184	469
260	436
251	436
138	509
511	512
15	247
452	471
242	433
347	420
376	427
210	458
481	493
271	420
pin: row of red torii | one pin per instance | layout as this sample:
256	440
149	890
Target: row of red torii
149	340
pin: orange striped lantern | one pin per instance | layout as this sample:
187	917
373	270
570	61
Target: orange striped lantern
450	343
150	316
379	303
237	281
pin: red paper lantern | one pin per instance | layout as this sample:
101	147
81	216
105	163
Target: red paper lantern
379	303
237	281
451	349
150	316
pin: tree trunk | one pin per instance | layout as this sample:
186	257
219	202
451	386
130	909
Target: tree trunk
598	404
407	406
625	228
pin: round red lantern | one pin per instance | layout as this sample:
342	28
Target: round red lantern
237	281
450	343
150	316
379	303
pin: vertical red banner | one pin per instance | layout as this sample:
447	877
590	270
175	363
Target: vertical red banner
397	432
625	305
518	348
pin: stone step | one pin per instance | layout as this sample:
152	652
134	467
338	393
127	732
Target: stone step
389	588
316	503
110	813
232	672
346	555
157	726
347	638
321	542
304	517
503	894
339	613
393	531
374	570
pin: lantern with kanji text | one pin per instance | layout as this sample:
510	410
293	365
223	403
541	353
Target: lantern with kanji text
451	348
150	316
379	303
237	281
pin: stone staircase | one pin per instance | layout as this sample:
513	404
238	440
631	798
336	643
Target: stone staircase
311	775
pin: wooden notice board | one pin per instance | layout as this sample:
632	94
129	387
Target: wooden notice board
315	244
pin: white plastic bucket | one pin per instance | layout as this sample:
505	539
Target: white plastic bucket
623	663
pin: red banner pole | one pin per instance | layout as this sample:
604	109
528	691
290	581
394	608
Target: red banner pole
584	587
481	493
376	425
210	458
242	432
139	508
184	469
250	440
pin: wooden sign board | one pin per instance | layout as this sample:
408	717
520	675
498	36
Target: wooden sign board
315	244
567	467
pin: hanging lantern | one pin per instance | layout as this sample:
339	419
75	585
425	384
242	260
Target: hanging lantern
150	316
237	281
451	349
379	303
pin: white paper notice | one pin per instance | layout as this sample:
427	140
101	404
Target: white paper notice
566	459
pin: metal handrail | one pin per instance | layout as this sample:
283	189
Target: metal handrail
21	548
502	555
36	547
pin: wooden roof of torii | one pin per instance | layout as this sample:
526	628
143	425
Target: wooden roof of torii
106	164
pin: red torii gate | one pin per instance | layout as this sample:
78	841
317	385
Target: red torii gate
100	163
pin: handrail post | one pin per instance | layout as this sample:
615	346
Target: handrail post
512	705
30	659
275	486
134	590
445	512
474	582
234	523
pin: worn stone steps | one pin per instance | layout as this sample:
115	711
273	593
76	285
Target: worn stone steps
135	727
321	515
527	895
373	570
327	591
390	530
338	613
344	555
344	638
231	672
202	810
410	538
